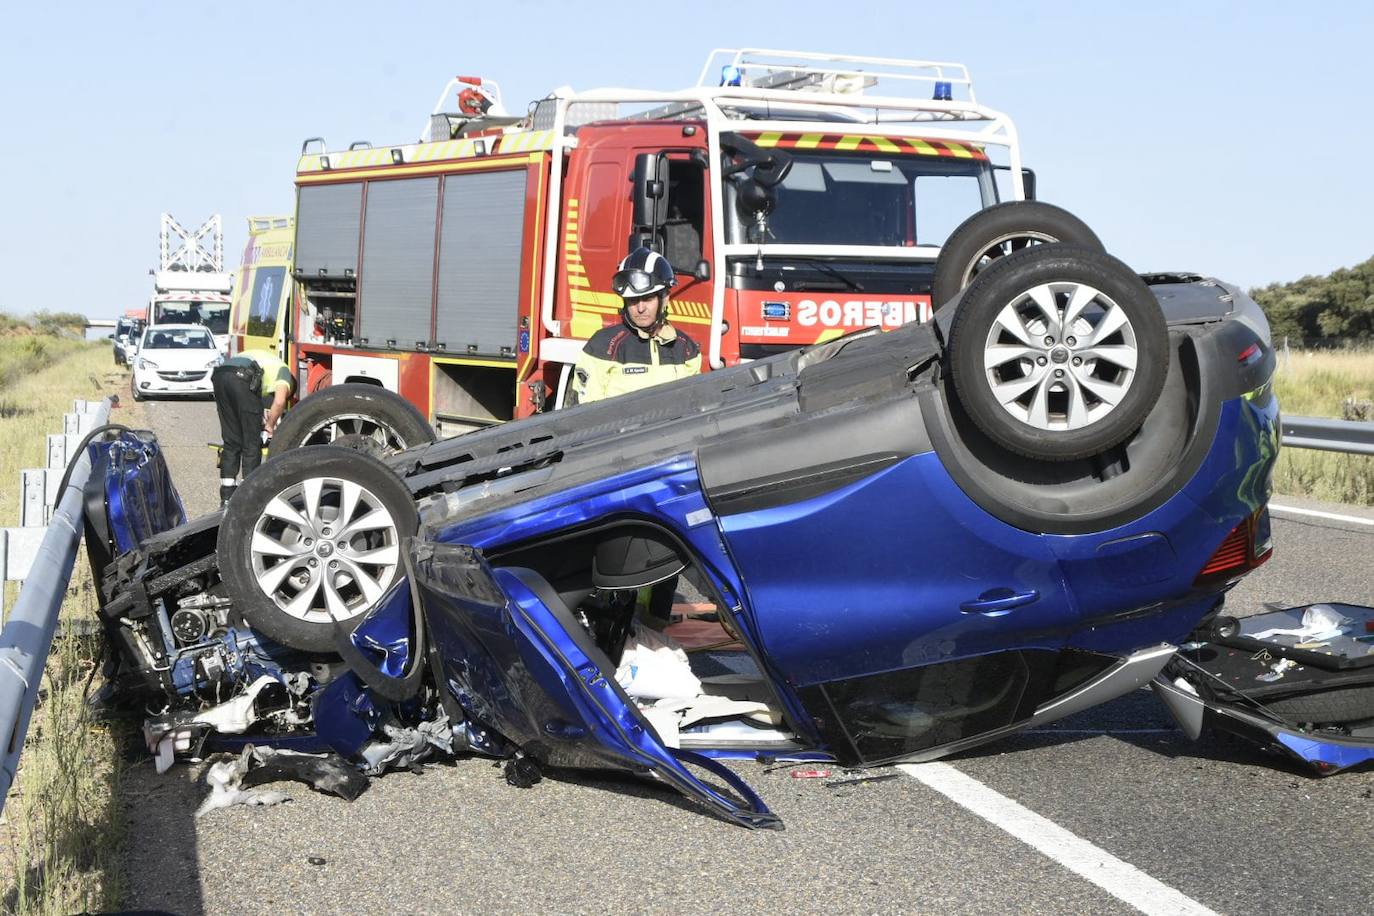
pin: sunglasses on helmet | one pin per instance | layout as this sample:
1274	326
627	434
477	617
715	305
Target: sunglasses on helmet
632	282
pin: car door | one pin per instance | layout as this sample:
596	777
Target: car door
515	659
902	616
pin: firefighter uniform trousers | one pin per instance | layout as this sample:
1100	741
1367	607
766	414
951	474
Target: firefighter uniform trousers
239	403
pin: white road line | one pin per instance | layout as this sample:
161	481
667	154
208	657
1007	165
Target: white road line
1353	519
1122	880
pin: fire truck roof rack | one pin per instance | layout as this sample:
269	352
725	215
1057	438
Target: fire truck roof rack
818	72
929	98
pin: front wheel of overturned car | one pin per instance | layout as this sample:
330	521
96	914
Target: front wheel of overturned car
312	540
369	418
1058	352
997	231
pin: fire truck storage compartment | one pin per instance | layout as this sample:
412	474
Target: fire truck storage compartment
327	230
468	395
396	283
480	259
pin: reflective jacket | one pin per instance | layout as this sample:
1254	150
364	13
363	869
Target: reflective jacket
274	371
618	360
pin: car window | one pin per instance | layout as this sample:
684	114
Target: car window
178	340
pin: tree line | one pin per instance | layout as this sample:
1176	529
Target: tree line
1338	306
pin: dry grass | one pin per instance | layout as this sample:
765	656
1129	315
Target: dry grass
59	839
1318	384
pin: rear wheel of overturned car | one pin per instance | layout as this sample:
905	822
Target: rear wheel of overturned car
998	231
352	412
312	540
1058	352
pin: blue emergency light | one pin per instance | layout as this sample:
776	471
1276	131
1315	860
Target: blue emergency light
944	91
730	75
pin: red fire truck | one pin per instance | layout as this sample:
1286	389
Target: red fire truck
799	196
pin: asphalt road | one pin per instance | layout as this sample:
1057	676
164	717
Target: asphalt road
1217	824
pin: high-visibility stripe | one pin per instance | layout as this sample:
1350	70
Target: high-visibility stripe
466	148
864	142
577	280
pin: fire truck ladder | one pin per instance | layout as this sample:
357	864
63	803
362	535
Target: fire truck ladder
202	250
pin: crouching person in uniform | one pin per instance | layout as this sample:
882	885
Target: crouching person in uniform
246	385
644	349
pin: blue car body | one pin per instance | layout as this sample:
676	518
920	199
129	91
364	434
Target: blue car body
900	596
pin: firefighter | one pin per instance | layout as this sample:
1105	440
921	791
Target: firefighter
644	349
246	385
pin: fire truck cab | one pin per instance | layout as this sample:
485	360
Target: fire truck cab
796	201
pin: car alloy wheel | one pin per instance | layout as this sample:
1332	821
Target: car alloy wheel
325	549
1061	356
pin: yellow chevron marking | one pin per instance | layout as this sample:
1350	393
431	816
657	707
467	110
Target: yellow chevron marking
830	334
809	141
848	143
769	138
591	297
924	148
959	152
585	324
597	311
885	144
577	280
576	268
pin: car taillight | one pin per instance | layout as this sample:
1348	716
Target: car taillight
1247	547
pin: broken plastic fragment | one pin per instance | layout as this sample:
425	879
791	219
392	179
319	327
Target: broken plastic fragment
327	773
522	772
224	778
405	747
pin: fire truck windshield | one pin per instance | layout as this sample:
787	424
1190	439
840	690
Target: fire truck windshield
865	198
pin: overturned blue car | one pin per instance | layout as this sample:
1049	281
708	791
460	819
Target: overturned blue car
885	548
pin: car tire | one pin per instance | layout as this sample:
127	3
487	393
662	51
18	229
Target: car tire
352	410
997	231
291	571
1049	395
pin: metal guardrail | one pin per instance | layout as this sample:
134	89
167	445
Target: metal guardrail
28	633
1353	437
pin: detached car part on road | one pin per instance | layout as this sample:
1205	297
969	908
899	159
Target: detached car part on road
913	542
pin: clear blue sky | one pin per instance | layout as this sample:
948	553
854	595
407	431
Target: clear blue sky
1228	138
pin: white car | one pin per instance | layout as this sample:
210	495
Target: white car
175	359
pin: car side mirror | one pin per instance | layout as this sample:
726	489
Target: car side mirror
702	271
